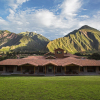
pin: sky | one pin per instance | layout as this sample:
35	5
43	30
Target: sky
50	18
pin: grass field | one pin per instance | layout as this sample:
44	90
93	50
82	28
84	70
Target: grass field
50	88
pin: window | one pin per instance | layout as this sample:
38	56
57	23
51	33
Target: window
40	69
58	69
91	69
49	68
1	68
81	69
59	52
18	68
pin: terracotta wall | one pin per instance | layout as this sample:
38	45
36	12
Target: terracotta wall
59	55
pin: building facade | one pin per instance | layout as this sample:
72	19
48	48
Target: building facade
57	63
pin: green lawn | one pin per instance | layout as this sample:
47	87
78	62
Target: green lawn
50	88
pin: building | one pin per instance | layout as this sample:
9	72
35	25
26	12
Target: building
58	63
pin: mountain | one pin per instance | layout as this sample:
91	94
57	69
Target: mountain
84	39
24	41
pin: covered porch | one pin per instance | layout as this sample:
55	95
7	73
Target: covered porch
50	69
91	69
10	69
72	69
14	69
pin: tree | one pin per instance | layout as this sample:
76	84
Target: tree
95	56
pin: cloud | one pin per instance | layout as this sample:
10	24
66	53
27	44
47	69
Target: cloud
21	1
70	8
94	21
14	4
3	22
47	22
43	21
84	16
45	17
84	9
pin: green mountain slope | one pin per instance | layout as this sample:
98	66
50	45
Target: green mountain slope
24	41
84	39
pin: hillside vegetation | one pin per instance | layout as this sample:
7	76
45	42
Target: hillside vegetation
84	39
24	41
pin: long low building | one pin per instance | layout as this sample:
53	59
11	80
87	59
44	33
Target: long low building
58	63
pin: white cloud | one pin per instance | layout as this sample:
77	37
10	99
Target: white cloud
43	21
84	9
11	11
94	21
3	22
46	22
14	4
21	1
48	19
84	16
70	7
45	17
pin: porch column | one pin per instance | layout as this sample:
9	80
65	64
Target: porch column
21	69
15	68
65	69
85	68
4	69
54	69
38	69
97	69
45	69
79	69
34	69
61	69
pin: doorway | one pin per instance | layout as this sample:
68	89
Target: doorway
41	69
50	69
